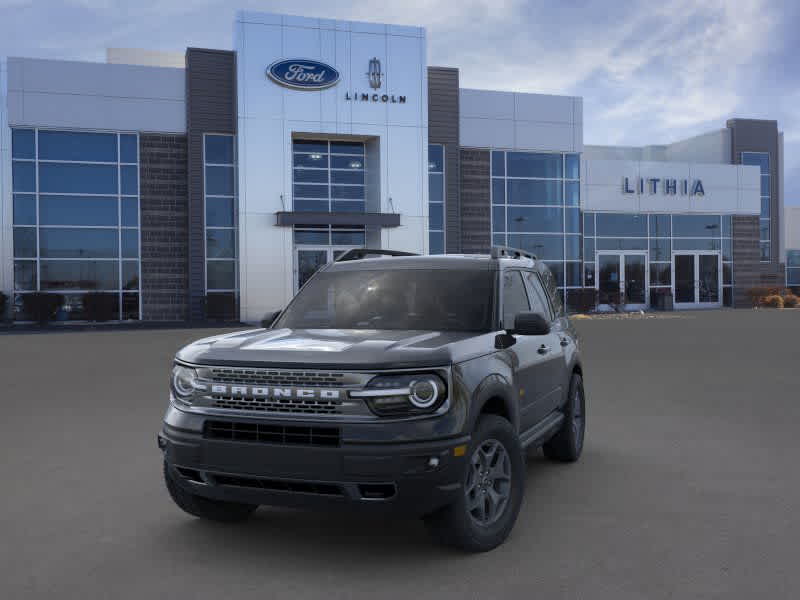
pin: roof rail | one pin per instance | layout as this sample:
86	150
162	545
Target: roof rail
359	253
508	252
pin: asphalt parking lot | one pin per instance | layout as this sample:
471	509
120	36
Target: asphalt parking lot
688	486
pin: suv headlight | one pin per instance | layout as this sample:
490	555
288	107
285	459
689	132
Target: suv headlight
403	395
184	383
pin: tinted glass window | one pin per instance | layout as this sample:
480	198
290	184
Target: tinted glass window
219	181
529	164
435	158
572	193
356	177
344	162
347	148
552	279
695	244
310	146
221	274
538	219
436	242
726	225
78	243
347	206
515	298
347	192
537	295
436	216
80	275
623	225
81	146
128	149
23	143
23	176
25	242
498	163
572	245
130	275
348	238
572	220
498	191
532	191
573	166
25	275
436	183
129	180
660	226
621	244
130	212
696	225
318	161
130	243
219	149
219	212
77	179
311	237
588	224
77	210
421	299
220	243
545	247
24	209
660	249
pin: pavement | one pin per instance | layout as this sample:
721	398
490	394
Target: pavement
688	486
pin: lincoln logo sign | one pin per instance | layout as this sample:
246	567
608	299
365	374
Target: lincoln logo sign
302	74
669	187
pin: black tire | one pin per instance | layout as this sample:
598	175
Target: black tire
205	508
567	444
456	525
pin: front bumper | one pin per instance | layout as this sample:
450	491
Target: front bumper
412	478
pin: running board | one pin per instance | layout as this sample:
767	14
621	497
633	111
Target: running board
541	432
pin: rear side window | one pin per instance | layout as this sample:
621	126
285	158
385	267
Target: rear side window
515	298
538	296
552	291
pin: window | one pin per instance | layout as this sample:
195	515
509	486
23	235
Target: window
762	160
219	156
328	176
515	299
76	218
537	295
536	207
793	268
436	198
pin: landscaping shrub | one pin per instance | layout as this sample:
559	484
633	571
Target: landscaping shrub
99	306
790	301
773	301
41	306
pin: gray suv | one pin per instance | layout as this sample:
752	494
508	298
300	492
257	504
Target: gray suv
391	382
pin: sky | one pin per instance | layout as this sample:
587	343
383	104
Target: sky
650	72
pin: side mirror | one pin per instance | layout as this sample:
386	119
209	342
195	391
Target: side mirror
530	323
269	319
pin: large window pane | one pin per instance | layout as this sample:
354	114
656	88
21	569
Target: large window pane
498	163
622	225
793	258
23	143
696	226
588	224
347	206
310	191
621	244
765	185
356	177
522	191
220	243
498	191
435	158
311	175
130	274
79	275
78	243
572	191
572	274
573	166
128	148
766	251
572	220
130	243
129	184
695	244
310	146
25	242
219	212
77	179
529	164
77	210
436	187
660	274
24	209
316	161
344	162
765	208
436	242
23	176
221	274
660	226
311	205
660	249
347	192
77	146
572	245
763	229
25	275
219	149
588	249
312	237
348	238
130	212
535	219
219	181
436	216
347	148
545	247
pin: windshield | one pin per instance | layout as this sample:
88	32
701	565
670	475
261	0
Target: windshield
428	299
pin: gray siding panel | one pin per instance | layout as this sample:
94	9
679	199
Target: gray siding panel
210	108
443	128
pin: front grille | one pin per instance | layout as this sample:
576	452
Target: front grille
272	434
280	485
269	377
279	405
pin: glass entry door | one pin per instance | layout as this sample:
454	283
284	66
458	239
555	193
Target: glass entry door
307	260
622	280
697	279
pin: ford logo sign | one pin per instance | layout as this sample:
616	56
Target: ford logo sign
303	74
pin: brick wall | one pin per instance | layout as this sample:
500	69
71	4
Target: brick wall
476	216
746	253
165	232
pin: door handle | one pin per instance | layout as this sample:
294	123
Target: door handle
543	349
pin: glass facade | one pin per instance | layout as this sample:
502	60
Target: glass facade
436	198
761	160
536	207
76	219
221	223
659	235
793	268
328	176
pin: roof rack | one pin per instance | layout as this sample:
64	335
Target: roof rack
508	252
359	253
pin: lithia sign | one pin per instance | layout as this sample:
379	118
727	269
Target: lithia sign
667	186
306	74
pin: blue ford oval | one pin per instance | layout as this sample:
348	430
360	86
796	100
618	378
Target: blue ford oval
303	74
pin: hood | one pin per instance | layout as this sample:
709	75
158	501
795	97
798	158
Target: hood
332	348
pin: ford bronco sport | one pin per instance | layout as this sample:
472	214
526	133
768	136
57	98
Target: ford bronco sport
391	382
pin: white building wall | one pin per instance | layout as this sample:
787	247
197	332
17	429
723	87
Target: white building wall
82	95
519	121
269	115
791	228
713	147
6	205
146	58
729	189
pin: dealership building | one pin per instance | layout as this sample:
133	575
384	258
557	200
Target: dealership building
212	183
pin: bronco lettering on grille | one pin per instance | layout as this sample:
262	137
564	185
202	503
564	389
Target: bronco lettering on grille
274	392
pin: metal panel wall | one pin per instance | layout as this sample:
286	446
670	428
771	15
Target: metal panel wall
210	108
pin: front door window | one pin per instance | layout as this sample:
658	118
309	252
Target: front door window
697	279
308	261
622	279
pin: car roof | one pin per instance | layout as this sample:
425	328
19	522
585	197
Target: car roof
436	261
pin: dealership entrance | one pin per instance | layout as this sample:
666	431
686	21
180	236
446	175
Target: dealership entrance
697	279
622	280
